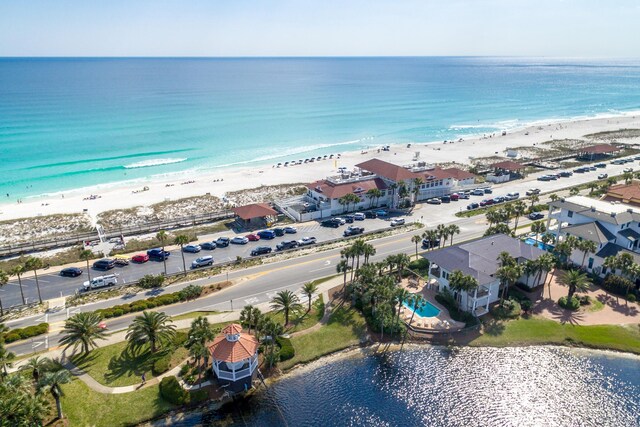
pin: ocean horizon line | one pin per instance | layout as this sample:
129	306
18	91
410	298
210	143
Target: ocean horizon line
594	58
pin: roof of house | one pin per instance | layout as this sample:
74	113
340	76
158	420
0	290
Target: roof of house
599	149
436	173
630	234
334	191
387	170
459	174
598	210
254	210
592	231
508	165
231	351
479	258
625	192
611	249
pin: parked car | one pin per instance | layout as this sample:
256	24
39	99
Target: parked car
428	244
239	240
202	261
349	219
434	201
370	214
290	230
121	260
603	176
472	206
454	197
341	220
104	264
477	192
617	162
261	250
486	202
71	272
193	249
208	246
565	174
532	191
397	221
286	244
158	254
600	165
353	230
445	199
333	223
464	195
222	242
498	199
512	196
534	216
382	212
487	190
359	216
140	258
267	234
100	282
252	237
279	231
626	170
592	168
544	178
306	241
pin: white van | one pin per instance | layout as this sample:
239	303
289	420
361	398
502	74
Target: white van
100	282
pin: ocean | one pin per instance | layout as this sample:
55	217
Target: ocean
71	123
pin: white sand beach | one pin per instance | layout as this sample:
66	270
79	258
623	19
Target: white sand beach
227	180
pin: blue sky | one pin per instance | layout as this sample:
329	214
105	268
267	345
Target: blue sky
576	28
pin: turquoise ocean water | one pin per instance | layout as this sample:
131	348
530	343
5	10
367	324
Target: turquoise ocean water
70	123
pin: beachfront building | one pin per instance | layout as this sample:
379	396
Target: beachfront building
328	194
234	358
614	227
505	171
597	152
479	259
629	194
255	215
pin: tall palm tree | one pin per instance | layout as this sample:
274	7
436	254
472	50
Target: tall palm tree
576	281
199	352
273	330
34	264
285	302
432	237
417	182
628	177
401	295
6	359
53	381
152	327
200	332
86	255
402	261
182	239
82	330
163	238
459	281
343	267
440	230
367	251
17	271
416	239
393	188
4	279
586	247
538	227
508	275
309	290
246	317
534	198
519	209
452	230
38	366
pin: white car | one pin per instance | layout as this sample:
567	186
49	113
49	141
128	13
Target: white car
342	220
359	216
100	282
306	241
512	196
202	261
627	170
239	240
290	230
532	191
397	221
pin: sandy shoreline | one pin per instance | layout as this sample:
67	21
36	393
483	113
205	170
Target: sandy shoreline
226	180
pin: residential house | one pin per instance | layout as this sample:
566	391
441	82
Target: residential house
628	194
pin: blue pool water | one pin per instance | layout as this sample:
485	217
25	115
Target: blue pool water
429	310
543	246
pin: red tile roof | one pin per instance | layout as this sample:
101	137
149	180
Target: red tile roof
625	193
459	174
335	191
387	170
255	210
233	351
599	149
508	165
436	173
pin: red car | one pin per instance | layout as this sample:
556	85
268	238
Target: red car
140	258
252	237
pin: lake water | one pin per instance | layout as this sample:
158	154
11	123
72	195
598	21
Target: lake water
425	386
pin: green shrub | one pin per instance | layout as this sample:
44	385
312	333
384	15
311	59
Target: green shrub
190	292
420	266
184	369
180	338
509	309
150	281
117	312
526	305
172	392
286	348
617	284
28	332
199	396
572	304
161	365
11	337
446	298
631	298
585	300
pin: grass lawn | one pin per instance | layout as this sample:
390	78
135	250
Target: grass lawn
194	314
303	320
117	366
595	306
346	327
542	331
85	407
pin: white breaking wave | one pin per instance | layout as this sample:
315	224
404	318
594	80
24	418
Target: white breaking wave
153	162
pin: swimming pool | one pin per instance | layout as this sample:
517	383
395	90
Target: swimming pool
429	310
543	246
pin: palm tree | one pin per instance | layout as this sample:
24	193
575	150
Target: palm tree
198	351
309	290
246	317
576	281
402	261
534	198
461	282
17	271
163	238
553	197
508	275
53	381
432	237
574	191
343	267
506	260
152	327
6	359
538	227
4	279
285	302
273	330
546	262
200	332
367	252
86	255
401	295
519	209
33	263
628	177
182	239
83	330
38	366
451	230
393	188
441	230
592	187
611	181
416	239
417	182
586	247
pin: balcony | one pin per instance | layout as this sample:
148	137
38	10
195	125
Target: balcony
481	292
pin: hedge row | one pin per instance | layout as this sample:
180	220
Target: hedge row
24	333
172	391
618	285
188	293
286	348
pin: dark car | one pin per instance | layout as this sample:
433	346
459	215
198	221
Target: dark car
349	219
279	231
261	250
222	242
267	234
71	272
158	254
534	216
428	244
472	206
104	264
208	246
370	214
498	199
565	174
488	190
600	165
445	199
352	231
486	202
287	244
334	223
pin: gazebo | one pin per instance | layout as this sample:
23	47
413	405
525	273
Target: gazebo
234	356
508	166
256	211
505	171
596	151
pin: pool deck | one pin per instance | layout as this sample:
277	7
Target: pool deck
440	323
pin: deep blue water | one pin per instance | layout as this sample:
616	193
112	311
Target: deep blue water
534	386
69	123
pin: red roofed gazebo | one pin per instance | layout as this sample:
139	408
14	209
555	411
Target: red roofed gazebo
256	210
508	165
234	357
598	150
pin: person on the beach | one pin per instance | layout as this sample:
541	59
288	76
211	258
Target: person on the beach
144	379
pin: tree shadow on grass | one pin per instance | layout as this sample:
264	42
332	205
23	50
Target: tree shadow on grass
494	327
132	362
84	361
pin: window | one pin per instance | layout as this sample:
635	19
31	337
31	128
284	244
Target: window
570	214
590	266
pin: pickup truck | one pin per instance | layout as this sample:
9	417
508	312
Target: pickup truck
353	231
100	282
